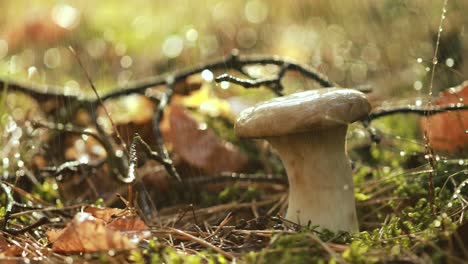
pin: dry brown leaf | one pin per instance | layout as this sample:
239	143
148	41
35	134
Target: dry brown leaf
9	250
106	214
128	223
200	146
118	219
447	131
86	233
54	234
39	28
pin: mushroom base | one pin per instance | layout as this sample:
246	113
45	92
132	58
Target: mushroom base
320	179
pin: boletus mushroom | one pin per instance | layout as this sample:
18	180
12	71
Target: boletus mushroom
308	130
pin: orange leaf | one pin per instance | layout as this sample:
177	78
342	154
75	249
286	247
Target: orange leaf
86	233
9	250
105	214
447	131
128	223
200	146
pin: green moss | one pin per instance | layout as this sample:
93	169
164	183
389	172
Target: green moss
298	248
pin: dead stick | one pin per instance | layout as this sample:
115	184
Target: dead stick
204	243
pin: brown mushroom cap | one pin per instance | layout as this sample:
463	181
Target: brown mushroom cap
303	112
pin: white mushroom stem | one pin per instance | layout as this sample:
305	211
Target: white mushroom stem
320	181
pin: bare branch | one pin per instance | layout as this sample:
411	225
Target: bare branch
424	111
234	61
157	117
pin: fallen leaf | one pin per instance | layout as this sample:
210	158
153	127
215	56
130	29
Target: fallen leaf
106	214
9	250
85	233
37	28
54	234
447	131
191	83
118	219
128	223
198	145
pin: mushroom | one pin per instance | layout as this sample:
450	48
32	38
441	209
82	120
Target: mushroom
308	130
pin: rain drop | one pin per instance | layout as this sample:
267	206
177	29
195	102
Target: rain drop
52	58
119	153
256	11
417	85
65	16
32	71
173	46
207	75
225	85
126	61
449	62
191	35
6	162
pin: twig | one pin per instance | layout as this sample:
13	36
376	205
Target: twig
424	111
233	176
204	243
71	167
40	222
427	146
114	162
98	97
10	202
221	225
273	83
38	92
157	117
234	61
326	248
68	128
137	140
9	210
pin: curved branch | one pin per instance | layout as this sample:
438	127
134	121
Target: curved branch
423	111
234	61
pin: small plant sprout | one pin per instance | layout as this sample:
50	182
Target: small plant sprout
308	130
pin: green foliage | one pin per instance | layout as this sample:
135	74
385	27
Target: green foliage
47	190
296	248
157	253
356	253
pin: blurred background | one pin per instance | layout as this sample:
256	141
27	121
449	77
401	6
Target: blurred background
387	45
